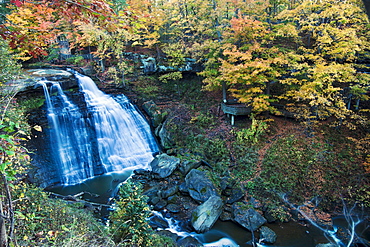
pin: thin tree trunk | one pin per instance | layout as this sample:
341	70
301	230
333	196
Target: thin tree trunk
10	208
3	233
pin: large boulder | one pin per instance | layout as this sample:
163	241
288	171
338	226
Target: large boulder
189	241
205	215
199	186
158	222
163	165
267	235
169	191
187	165
247	217
235	195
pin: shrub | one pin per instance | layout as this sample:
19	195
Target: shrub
40	220
129	222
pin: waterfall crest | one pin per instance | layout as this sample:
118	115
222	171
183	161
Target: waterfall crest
106	135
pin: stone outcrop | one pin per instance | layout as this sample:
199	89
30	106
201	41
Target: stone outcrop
187	165
163	165
199	186
165	136
205	215
156	115
30	83
247	217
267	235
189	242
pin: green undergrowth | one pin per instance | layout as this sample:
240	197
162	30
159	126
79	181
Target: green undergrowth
303	166
308	167
129	222
44	221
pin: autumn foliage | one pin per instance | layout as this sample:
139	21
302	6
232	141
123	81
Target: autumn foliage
305	55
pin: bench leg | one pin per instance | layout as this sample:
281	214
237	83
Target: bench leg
232	120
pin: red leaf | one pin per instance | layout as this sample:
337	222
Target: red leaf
16	3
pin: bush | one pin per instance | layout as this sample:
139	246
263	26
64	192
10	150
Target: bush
9	68
129	221
40	221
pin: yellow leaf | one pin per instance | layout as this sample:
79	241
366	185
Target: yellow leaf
38	128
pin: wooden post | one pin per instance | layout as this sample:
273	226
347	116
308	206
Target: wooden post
224	92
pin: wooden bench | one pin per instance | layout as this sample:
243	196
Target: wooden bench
235	109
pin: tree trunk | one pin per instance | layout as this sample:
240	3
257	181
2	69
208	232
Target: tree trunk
3	233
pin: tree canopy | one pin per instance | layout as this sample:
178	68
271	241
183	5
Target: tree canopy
305	54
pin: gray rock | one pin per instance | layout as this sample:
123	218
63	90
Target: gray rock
225	216
158	222
160	205
173	208
173	199
205	215
169	192
247	217
189	242
267	235
164	135
187	165
236	195
33	76
199	186
154	200
47	73
168	234
152	195
183	188
164	165
141	172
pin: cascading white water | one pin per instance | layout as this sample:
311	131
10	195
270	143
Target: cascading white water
109	137
72	150
123	136
223	239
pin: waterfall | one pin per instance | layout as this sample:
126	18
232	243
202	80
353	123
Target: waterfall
123	135
72	151
103	136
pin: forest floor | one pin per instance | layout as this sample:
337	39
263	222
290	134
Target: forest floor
318	164
311	157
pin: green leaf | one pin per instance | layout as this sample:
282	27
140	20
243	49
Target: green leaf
9	152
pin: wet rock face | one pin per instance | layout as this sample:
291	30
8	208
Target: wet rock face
189	242
205	215
164	135
200	188
50	74
247	217
29	84
155	113
267	235
163	165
